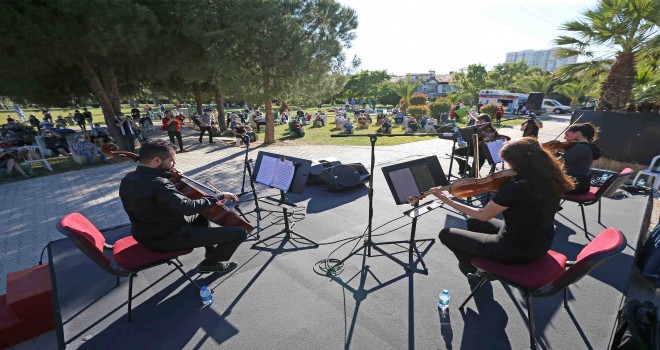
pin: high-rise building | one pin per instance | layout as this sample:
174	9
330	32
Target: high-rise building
545	59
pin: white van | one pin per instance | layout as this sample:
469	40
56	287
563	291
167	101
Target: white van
554	106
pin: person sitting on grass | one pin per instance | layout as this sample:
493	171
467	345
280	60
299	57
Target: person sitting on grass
347	127
297	128
318	121
362	122
87	149
8	161
60	122
240	131
339	122
55	143
385	127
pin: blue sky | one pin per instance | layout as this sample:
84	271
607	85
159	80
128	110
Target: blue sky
415	36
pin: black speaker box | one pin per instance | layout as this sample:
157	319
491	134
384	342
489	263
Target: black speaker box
345	176
535	102
318	167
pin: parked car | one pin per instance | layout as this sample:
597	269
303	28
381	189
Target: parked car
555	107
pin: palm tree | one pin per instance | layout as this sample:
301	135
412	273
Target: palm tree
629	28
575	90
538	83
405	89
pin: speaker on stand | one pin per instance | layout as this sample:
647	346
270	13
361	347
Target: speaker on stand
535	102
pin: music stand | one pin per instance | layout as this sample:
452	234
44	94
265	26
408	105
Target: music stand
411	179
296	185
443	132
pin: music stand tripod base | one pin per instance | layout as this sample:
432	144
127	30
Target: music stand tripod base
288	234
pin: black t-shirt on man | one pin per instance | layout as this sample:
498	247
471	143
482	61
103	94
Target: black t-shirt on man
528	219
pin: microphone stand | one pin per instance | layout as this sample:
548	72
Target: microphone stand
368	242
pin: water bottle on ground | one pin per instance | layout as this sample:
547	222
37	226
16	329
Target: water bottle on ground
207	296
641	182
443	301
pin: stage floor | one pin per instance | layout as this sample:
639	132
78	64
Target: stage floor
275	300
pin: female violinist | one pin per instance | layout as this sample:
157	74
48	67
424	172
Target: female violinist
528	202
578	158
165	219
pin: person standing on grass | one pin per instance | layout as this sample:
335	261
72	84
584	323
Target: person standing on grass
205	125
172	125
80	120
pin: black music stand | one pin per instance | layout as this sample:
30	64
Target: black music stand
297	186
368	242
411	179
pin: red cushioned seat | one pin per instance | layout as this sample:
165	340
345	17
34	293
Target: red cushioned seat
532	275
130	254
585	197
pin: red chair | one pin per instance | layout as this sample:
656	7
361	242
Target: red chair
130	256
551	273
594	195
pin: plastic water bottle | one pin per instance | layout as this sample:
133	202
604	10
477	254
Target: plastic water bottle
641	182
443	301
207	296
604	178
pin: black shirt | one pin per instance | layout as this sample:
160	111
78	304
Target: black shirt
531	130
154	205
529	219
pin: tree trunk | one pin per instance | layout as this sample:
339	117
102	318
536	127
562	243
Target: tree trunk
618	85
110	84
102	96
197	90
220	104
269	137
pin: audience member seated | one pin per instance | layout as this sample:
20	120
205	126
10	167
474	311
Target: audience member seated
87	149
430	125
339	122
297	128
60	122
380	118
318	121
362	122
99	133
9	161
55	143
444	116
285	116
259	120
410	124
386	127
347	127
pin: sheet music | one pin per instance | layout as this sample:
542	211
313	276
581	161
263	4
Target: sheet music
283	176
404	184
494	148
276	172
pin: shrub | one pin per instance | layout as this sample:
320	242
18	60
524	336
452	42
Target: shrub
438	107
418	111
418	99
489	109
390	98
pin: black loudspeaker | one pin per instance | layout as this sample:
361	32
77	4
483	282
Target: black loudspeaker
535	102
345	176
318	167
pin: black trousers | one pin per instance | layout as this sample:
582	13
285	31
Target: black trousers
177	134
130	140
202	130
220	242
582	184
462	152
481	239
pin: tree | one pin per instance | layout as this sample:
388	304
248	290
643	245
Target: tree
505	75
538	83
629	28
574	90
387	94
405	89
365	84
286	40
96	42
470	80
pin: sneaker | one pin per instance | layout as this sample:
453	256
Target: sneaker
220	267
211	141
200	140
183	151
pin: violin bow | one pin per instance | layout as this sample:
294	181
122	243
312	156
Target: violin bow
573	123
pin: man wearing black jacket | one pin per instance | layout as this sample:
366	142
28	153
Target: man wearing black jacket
164	219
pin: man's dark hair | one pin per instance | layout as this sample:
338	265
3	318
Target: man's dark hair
155	148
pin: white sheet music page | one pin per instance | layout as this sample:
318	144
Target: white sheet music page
266	170
494	148
284	170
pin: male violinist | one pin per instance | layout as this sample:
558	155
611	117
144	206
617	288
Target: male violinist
165	220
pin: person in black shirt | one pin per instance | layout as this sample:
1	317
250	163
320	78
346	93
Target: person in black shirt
486	132
531	126
578	158
165	220
80	120
125	126
528	203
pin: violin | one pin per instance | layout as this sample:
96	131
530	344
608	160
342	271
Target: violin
464	188
556	145
218	214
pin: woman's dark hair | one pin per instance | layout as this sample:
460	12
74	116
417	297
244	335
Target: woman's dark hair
484	118
155	148
587	130
537	166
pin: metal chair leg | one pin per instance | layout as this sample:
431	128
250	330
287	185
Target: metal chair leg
599	212
530	322
566	297
481	283
130	294
178	267
584	222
